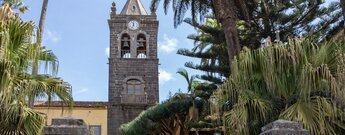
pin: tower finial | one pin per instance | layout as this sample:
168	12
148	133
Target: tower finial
113	9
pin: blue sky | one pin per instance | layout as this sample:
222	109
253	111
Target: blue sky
77	32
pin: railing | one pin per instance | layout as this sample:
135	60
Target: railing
131	98
125	53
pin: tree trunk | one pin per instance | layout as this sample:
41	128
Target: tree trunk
225	11
42	21
39	43
342	3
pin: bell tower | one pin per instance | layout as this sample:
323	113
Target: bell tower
133	63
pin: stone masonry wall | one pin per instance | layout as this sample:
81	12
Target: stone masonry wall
67	126
147	69
283	127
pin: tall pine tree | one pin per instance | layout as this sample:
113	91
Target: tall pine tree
280	20
210	47
277	20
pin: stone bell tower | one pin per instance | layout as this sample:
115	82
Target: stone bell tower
133	63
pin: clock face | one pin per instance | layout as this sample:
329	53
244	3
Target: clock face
133	25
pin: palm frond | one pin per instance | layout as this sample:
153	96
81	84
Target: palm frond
301	81
17	55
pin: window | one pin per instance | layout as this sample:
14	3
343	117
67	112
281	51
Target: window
95	130
134	87
141	50
125	46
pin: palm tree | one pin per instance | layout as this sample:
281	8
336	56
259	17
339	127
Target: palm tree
16	4
17	55
193	111
42	21
301	81
225	11
190	79
39	41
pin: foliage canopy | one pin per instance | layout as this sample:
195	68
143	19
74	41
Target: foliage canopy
17	55
300	81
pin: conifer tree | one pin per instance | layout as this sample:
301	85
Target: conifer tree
280	20
342	2
276	20
211	49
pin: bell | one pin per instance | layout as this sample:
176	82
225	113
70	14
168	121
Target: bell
141	44
126	44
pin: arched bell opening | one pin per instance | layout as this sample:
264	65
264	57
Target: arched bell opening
141	49
125	46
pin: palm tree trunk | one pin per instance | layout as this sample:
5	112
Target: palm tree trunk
42	21
226	15
39	43
342	3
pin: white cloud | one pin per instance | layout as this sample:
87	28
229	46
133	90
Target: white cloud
52	36
107	51
168	45
164	76
82	91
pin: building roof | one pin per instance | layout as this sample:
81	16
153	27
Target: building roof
84	104
133	7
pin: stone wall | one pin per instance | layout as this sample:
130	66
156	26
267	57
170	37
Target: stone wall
67	126
120	69
283	127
